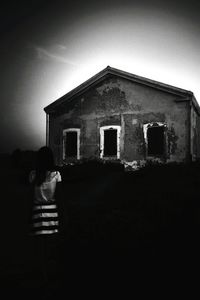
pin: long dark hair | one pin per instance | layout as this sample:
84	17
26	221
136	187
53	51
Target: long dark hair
44	163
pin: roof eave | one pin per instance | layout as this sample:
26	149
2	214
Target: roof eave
80	88
108	70
195	104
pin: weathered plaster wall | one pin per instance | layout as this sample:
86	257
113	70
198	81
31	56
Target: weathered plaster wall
117	101
55	139
195	134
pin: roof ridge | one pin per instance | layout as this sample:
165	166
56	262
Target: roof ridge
110	70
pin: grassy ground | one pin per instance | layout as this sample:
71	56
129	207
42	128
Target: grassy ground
115	223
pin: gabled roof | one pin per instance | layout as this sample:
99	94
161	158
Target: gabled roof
185	94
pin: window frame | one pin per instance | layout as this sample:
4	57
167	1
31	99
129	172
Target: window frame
104	128
65	131
145	129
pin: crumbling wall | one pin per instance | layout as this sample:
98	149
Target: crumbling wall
195	134
117	101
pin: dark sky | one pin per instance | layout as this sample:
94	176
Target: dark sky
49	47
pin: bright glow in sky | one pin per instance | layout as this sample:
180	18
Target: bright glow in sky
64	45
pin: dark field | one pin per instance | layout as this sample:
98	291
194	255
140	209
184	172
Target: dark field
117	225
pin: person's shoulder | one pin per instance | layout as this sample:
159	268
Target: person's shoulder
56	174
53	172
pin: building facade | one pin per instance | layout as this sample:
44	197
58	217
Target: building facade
119	116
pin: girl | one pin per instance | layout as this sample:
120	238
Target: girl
45	219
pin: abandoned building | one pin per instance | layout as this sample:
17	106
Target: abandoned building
119	116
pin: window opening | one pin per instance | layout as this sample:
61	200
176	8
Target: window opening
71	143
110	141
155	140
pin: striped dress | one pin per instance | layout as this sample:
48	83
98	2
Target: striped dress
44	219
